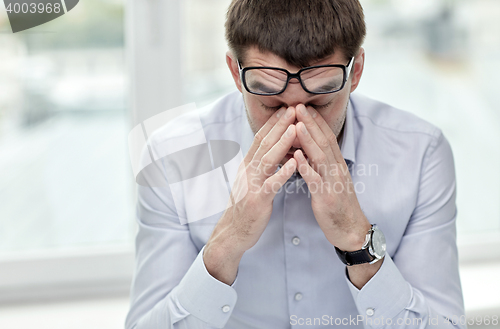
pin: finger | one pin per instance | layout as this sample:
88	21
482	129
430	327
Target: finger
275	134
262	133
303	114
311	177
272	184
272	158
316	155
330	136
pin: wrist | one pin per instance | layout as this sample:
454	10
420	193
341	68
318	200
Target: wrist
222	259
360	274
371	252
221	249
355	239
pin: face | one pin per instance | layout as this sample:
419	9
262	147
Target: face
331	106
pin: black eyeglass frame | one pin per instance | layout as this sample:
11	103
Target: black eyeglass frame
345	68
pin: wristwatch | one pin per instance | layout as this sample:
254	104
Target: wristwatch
372	251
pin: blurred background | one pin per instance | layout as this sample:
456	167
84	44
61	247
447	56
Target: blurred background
72	89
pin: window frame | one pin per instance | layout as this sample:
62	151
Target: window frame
153	56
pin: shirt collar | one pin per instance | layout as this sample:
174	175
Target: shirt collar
347	145
247	135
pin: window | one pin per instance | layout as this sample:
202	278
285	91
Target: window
65	112
437	59
66	187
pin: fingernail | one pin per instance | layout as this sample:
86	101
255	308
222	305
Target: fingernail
289	131
303	110
289	113
304	129
279	113
301	156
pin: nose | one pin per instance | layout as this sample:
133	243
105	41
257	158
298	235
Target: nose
294	94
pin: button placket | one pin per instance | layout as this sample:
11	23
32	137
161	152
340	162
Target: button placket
296	208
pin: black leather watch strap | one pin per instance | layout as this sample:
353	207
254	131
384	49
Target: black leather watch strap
354	257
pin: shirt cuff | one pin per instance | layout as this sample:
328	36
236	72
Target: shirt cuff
386	294
205	297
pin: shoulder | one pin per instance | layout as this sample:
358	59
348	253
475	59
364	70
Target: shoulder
200	123
375	117
394	133
223	110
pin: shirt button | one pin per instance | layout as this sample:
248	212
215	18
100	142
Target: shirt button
370	311
298	296
226	308
296	240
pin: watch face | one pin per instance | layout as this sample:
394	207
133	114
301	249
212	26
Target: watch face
378	243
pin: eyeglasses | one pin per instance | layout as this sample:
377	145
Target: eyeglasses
320	79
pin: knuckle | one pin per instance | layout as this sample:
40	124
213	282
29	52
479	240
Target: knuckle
258	137
324	143
310	125
281	143
254	164
264	143
308	139
320	158
332	138
282	123
266	161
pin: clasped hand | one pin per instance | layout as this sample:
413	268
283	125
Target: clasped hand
333	200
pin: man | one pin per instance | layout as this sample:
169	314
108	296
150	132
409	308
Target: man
321	166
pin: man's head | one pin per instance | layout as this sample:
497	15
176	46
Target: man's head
294	34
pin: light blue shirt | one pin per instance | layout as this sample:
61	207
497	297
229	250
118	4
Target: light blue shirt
403	171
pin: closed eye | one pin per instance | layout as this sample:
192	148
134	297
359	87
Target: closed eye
273	108
316	107
320	107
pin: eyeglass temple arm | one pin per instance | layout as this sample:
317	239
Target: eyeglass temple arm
349	68
240	70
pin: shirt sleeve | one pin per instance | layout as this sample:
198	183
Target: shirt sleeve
172	287
419	286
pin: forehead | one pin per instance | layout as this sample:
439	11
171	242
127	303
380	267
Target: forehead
257	57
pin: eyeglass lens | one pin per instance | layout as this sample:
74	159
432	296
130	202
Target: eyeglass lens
316	80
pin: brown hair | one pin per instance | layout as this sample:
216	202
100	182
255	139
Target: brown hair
299	31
